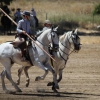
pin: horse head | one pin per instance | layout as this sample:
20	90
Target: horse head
49	38
54	45
75	40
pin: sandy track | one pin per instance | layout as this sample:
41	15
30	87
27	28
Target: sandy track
81	79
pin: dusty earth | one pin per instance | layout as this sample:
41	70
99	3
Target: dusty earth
81	78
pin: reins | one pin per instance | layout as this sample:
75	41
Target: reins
64	52
67	47
42	43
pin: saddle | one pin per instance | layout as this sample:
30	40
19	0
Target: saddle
24	49
21	45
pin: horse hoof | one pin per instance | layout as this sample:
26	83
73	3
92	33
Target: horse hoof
17	82
56	87
27	84
37	78
19	90
49	84
53	88
55	91
10	92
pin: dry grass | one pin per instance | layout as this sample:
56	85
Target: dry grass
78	11
56	8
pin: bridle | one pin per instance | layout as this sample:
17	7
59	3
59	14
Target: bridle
68	48
51	39
75	42
55	46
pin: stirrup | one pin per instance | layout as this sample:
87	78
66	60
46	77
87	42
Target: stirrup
23	59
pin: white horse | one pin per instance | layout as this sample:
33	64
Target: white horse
10	55
66	41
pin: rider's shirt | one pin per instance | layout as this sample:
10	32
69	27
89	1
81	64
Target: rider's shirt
17	14
45	28
24	25
33	13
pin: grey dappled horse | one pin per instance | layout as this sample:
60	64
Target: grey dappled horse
10	55
66	41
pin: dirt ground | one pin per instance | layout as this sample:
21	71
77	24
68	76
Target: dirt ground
81	78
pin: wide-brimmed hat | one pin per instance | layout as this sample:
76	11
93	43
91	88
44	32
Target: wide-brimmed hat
26	13
18	9
47	22
32	9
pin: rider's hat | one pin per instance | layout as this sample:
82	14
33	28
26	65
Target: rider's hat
26	13
47	22
18	8
32	9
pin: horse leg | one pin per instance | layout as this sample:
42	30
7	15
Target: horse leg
2	80
7	64
41	77
27	76
58	80
3	83
54	75
19	74
8	75
60	76
36	62
25	68
40	65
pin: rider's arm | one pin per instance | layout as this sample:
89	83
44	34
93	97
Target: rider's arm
20	28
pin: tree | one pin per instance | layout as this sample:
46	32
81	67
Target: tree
96	10
7	2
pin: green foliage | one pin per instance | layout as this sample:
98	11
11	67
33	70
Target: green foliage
7	2
96	10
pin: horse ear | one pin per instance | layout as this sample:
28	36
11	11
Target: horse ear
55	29
75	31
52	27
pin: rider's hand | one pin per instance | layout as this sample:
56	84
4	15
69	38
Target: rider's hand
24	32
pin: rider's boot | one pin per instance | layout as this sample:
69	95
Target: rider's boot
24	55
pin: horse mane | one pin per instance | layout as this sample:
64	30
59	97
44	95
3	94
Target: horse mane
63	36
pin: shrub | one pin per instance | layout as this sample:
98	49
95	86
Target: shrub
96	10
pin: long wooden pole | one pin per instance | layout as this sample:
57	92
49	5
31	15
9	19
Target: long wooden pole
28	35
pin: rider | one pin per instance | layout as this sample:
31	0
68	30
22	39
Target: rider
24	28
47	25
17	15
33	12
